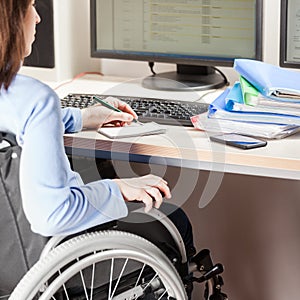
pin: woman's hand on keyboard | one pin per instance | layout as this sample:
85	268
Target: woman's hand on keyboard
149	189
98	115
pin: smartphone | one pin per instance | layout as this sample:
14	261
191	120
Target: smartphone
239	141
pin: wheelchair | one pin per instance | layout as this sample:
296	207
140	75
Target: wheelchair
140	257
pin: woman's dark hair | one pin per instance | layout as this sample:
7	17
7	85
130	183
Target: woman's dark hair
12	42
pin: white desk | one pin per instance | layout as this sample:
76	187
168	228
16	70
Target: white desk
180	147
250	223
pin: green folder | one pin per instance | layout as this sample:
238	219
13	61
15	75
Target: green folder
250	93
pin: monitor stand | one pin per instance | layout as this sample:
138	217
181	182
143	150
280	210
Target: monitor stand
187	78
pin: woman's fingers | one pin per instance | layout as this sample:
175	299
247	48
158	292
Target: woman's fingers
147	200
149	189
156	196
121	105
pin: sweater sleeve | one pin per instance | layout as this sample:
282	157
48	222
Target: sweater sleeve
71	118
55	199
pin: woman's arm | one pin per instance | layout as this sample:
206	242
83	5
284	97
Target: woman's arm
54	197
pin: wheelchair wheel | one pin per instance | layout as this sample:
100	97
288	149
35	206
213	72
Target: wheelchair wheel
111	265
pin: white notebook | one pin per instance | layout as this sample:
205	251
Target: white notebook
135	129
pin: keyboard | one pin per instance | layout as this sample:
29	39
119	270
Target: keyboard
161	111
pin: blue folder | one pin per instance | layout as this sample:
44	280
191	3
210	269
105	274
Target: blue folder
270	80
221	108
234	101
234	98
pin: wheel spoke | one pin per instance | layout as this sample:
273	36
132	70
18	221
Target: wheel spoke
111	278
139	277
119	278
65	289
150	281
83	283
162	294
92	280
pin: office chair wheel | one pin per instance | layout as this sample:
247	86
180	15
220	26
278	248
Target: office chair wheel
130	268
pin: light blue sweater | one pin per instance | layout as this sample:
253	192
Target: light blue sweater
55	200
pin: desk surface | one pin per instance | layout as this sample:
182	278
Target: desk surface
180	146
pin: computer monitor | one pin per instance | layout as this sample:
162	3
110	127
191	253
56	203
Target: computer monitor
290	34
196	35
42	55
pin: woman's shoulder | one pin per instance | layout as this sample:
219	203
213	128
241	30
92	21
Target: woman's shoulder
29	96
27	100
32	91
30	84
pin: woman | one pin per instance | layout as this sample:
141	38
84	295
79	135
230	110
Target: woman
55	200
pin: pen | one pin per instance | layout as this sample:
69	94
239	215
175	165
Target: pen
106	104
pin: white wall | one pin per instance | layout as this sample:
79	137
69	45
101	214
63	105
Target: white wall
72	45
271	31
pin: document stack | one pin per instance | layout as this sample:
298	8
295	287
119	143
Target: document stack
265	102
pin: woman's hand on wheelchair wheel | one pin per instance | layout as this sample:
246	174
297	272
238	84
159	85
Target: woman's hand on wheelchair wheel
149	189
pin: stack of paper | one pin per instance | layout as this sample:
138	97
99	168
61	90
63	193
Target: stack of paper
265	102
275	111
220	120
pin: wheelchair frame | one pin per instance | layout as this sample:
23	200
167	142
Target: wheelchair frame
110	245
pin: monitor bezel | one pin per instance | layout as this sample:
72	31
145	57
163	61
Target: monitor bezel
201	61
283	62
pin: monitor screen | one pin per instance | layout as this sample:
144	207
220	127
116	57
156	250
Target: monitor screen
290	34
196	35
